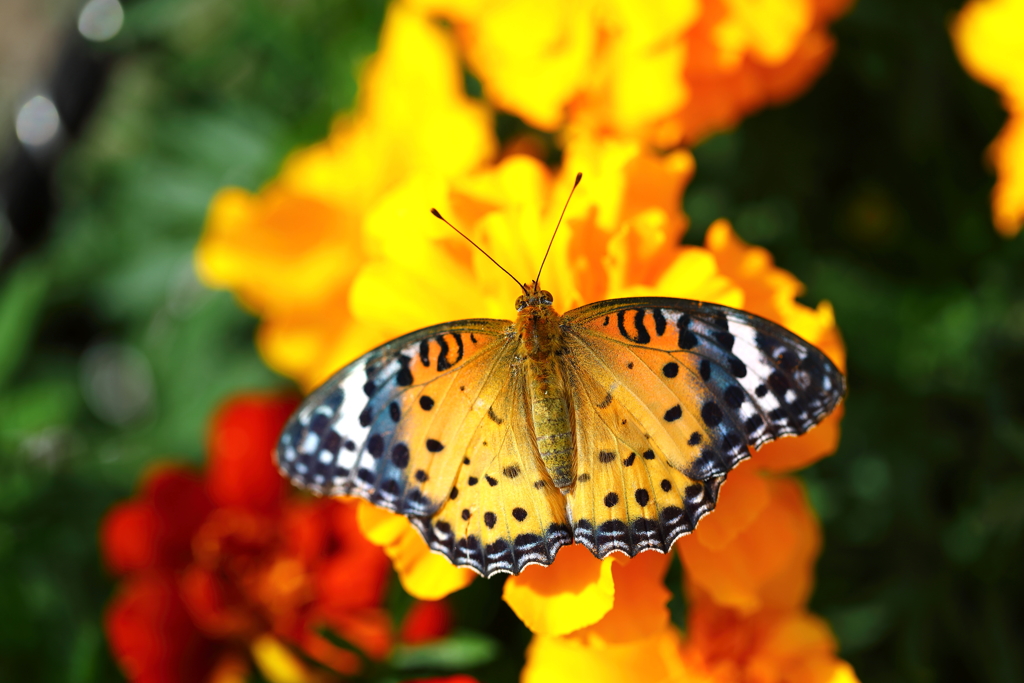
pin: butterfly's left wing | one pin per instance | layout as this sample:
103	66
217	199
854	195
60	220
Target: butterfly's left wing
668	395
434	425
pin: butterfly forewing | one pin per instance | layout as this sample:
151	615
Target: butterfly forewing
380	427
672	394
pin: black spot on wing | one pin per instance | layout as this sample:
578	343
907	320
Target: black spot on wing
687	339
659	321
711	414
400	455
425	353
404	376
459	346
442	354
642	336
724	339
705	369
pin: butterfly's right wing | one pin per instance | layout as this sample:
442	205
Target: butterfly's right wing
434	425
669	395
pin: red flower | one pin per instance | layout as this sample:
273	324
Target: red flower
219	564
426	621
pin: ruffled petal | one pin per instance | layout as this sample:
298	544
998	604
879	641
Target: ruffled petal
577	590
425	575
652	659
750	562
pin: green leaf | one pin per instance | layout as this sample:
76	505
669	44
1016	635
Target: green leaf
457	652
21	299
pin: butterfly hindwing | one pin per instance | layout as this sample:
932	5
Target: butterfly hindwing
503	513
671	395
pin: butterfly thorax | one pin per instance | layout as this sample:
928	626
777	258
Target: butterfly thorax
539	330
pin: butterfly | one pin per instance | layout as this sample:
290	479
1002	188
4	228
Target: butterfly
612	425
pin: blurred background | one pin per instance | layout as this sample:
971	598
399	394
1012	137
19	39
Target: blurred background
119	121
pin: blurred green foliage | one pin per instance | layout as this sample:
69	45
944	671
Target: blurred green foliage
871	189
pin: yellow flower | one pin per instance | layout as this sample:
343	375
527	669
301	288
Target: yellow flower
990	42
291	251
666	71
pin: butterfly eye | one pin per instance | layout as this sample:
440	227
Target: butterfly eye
546	298
520	303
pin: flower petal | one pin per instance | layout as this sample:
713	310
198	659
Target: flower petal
641	598
423	574
577	590
243	435
653	659
768	561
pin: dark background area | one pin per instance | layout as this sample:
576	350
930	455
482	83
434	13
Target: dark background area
871	189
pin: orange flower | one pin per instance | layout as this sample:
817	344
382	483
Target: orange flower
757	550
214	566
400	269
668	72
988	39
290	252
775	646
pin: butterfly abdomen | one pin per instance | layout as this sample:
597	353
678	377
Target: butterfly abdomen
551	423
541	337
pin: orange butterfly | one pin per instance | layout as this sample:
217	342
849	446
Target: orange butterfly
612	425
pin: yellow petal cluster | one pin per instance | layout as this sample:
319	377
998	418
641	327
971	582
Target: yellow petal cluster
339	254
989	38
665	71
291	251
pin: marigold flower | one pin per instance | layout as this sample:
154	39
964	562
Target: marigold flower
774	646
621	237
988	39
655	659
291	251
667	72
758	550
217	566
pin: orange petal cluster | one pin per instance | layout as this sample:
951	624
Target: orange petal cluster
990	43
616	77
664	71
222	569
291	251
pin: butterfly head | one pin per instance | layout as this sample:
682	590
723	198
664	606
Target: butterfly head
533	295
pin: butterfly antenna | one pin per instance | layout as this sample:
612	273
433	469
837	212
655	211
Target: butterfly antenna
579	177
437	214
